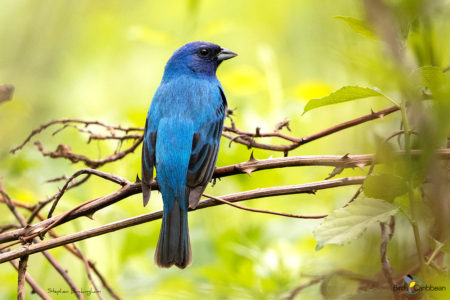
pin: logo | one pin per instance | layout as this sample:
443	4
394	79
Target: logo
412	285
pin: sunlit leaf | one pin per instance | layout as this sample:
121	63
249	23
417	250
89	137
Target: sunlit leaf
344	94
358	26
384	186
348	223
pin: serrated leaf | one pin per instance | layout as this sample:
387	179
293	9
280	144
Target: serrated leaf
348	223
358	26
384	186
344	94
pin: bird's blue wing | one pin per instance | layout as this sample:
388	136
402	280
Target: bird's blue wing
205	148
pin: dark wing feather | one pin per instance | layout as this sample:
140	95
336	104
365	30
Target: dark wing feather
148	162
205	148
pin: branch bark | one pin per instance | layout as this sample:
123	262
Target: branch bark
247	138
254	194
252	166
32	283
21	271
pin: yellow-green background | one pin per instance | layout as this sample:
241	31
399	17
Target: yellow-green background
103	60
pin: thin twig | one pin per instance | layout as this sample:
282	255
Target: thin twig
21	271
41	204
266	211
7	227
89	274
77	253
35	288
299	288
111	177
47	255
63	273
64	151
386	266
247	138
75	121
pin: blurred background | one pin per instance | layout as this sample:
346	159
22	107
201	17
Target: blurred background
103	60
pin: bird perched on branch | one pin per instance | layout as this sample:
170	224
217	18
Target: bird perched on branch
181	140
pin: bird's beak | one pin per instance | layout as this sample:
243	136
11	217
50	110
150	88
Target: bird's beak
225	54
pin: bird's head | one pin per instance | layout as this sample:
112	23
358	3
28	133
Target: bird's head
200	58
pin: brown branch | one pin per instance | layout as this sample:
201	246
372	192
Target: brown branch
32	283
11	206
386	266
97	136
242	137
75	121
111	177
22	265
77	253
133	189
73	250
345	161
41	204
63	273
64	151
266	211
7	227
89	274
247	138
21	271
299	288
365	283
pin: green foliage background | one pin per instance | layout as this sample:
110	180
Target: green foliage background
103	60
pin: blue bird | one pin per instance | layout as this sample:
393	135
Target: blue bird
181	140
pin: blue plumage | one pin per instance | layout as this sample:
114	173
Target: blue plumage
181	140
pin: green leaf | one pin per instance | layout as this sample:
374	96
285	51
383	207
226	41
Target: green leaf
358	26
348	223
344	94
384	186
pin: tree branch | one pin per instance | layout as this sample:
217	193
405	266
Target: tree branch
135	188
41	128
129	189
386	266
266	211
32	283
24	259
247	138
21	271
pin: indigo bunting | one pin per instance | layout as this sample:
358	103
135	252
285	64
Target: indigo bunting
181	140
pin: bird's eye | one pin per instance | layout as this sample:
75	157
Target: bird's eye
204	52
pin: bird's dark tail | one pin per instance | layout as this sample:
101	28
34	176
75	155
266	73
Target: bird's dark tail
174	247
